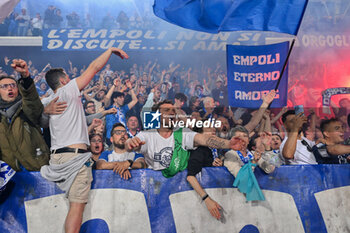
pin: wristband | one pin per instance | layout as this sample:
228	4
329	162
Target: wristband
205	197
131	162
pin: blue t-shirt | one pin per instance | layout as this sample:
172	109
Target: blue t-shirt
40	92
118	117
111	156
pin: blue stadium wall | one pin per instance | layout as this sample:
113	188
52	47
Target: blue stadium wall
310	198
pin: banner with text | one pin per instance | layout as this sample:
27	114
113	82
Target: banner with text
253	71
314	198
153	39
142	39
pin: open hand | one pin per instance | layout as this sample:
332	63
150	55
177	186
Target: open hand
269	97
213	207
55	108
119	53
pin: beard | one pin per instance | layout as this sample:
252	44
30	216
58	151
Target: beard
119	146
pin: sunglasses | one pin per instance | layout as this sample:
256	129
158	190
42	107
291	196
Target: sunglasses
7	85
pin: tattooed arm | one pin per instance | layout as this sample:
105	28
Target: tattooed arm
215	142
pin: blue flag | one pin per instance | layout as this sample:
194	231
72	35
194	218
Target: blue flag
253	71
233	15
247	183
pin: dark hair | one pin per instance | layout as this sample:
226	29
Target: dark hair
5	76
219	110
117	125
193	99
289	112
181	96
326	122
157	106
252	141
277	134
88	102
53	77
117	94
130	117
246	117
9	77
95	134
198	86
105	91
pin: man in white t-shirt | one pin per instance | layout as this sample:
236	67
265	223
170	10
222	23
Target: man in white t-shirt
295	148
119	159
70	161
157	145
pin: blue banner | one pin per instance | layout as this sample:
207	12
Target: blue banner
308	198
159	40
253	71
164	40
227	15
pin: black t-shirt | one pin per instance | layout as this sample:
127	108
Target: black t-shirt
200	157
322	156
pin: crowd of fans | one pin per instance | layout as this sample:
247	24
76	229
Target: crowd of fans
26	23
115	101
198	93
320	15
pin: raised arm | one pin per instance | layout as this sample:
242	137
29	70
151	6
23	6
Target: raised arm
257	117
313	124
291	143
97	65
150	73
235	143
338	149
47	66
267	127
87	91
278	116
31	105
107	98
134	99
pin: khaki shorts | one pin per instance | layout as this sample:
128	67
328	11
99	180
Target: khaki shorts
79	191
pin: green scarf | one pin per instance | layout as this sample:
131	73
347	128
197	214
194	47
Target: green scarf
179	159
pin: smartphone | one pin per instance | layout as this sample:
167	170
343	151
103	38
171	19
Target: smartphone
299	109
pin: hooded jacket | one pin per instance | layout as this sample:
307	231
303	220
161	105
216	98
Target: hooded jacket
21	142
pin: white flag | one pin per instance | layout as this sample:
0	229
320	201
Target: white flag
6	7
